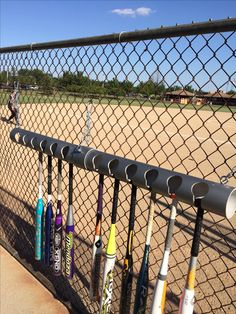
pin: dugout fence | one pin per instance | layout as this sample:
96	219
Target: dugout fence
164	97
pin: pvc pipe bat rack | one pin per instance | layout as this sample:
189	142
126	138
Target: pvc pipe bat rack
215	198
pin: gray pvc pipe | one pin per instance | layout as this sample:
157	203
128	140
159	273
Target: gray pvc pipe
50	146
122	169
215	198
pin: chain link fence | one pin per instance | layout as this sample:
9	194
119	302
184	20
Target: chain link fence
165	97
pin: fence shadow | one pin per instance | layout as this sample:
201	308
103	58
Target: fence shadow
19	233
214	241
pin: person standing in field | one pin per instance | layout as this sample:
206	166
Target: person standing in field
13	106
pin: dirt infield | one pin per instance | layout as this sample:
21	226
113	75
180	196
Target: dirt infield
174	139
184	140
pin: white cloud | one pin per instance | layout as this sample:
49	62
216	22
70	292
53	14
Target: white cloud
125	12
142	11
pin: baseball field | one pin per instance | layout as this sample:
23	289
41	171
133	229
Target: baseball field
192	141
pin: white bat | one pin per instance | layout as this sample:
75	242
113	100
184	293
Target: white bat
159	297
187	299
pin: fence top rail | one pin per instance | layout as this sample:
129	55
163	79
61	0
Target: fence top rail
224	25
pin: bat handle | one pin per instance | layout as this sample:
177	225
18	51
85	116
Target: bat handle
49	238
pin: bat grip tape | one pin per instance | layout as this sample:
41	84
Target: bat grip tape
70	183
49	175
100	193
59	165
115	201
197	230
40	169
132	206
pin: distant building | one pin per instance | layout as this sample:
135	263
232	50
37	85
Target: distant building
219	98
180	96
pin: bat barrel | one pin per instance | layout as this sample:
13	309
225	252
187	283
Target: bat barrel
219	199
39	230
57	261
69	252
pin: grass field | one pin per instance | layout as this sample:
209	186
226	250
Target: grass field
60	97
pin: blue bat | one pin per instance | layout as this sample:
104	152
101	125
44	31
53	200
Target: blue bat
39	215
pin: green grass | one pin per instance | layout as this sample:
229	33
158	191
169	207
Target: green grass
60	97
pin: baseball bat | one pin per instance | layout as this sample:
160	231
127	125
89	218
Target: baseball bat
39	214
107	285
187	299
57	262
143	277
49	223
69	245
127	277
159	297
97	247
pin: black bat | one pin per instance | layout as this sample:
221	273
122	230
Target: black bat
127	278
49	222
143	278
97	247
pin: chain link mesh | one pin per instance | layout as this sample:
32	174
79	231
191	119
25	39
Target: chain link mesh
169	102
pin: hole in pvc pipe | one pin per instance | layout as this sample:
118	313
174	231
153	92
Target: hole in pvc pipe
130	171
199	190
42	145
231	205
64	151
150	176
33	142
112	165
96	161
174	183
17	137
24	139
52	148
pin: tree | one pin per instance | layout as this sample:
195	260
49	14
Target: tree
25	77
114	87
173	88
146	88
159	89
67	79
47	84
231	92
3	77
73	81
127	87
189	88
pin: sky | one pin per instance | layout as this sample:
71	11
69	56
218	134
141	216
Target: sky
27	22
24	22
